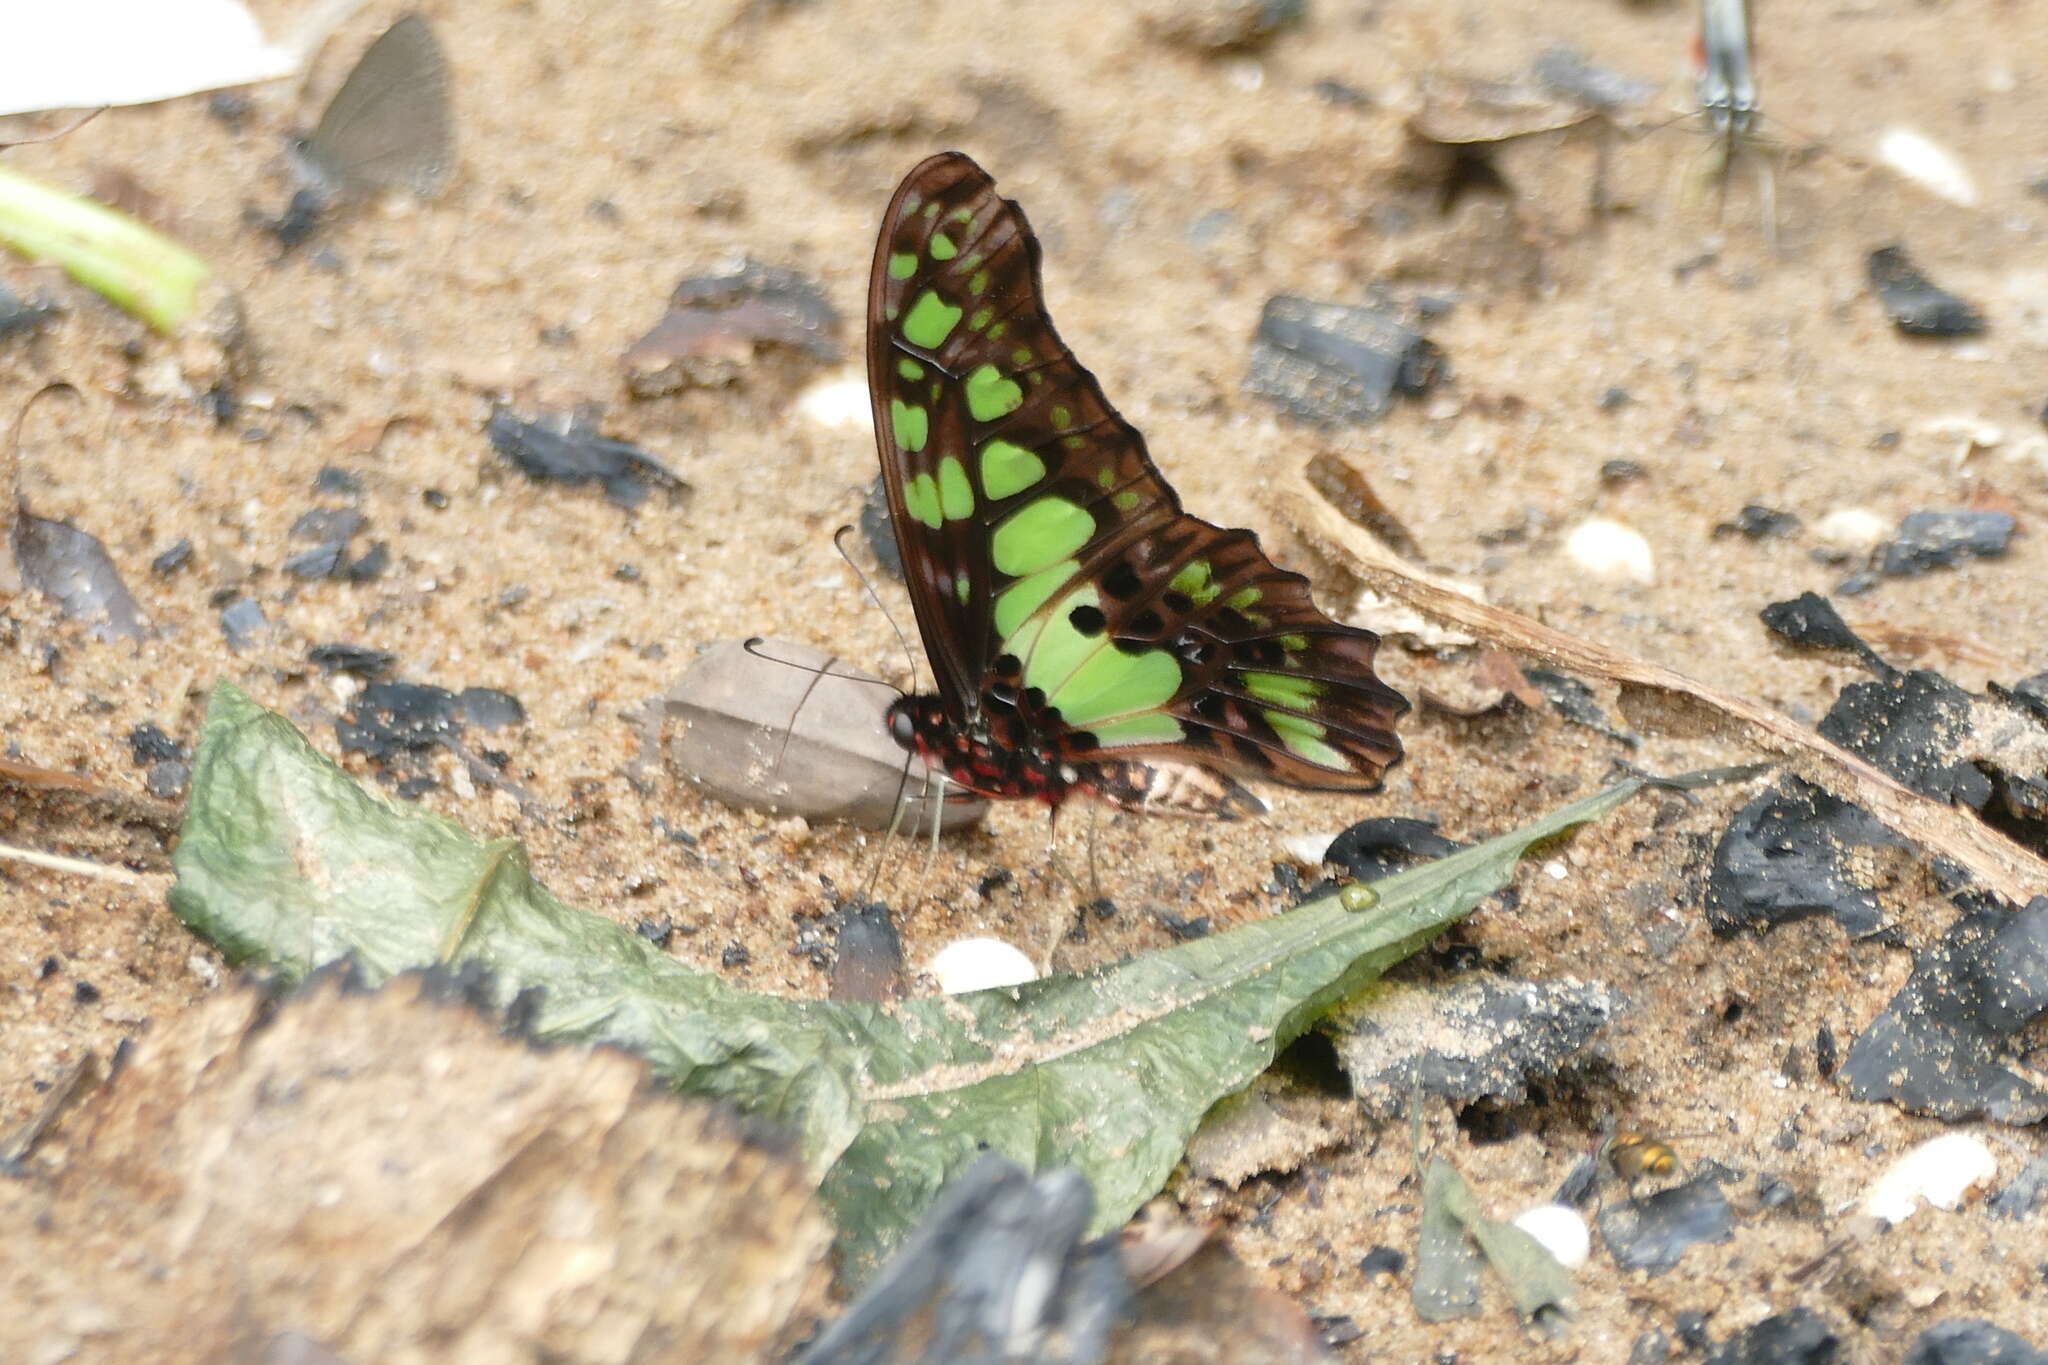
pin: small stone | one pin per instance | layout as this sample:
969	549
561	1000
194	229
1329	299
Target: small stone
838	402
979	964
173	559
1855	529
1915	157
1559	1230
242	622
168	779
774	728
1940	1171
1610	550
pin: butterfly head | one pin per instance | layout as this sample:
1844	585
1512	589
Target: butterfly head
996	754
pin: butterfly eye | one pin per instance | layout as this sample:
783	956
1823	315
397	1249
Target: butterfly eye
902	725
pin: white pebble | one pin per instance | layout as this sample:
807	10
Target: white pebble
1560	1230
1925	162
1941	1170
1308	848
1852	528
980	964
838	401
1608	549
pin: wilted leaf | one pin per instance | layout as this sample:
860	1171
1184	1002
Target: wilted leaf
1534	1279
283	858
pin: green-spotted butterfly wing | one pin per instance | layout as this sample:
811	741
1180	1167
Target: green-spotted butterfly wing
1039	538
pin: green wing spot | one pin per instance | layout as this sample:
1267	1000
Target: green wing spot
1244	599
1193	582
956	495
1073	442
1282	689
902	265
963	590
980	317
1111	682
1008	468
1149	727
910	370
1039	533
1061	416
1127	500
930	321
911	424
943	248
1021	356
989	395
1015	603
978	285
1294	644
1305	738
921	500
995	333
1106	477
971	261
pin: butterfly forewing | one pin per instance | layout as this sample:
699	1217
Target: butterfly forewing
1047	557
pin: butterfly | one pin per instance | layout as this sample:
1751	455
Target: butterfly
1086	635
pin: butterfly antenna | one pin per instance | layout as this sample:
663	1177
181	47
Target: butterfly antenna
867	586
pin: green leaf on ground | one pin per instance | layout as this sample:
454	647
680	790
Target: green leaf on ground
1450	1212
285	860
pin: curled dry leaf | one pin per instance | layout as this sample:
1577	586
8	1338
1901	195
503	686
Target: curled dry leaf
1996	861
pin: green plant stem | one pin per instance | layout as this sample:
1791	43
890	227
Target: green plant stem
134	266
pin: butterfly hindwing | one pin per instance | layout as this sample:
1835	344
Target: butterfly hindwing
1047	556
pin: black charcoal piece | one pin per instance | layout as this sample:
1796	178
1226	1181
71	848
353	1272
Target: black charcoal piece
360	660
1477	1038
1800	1337
1942	1045
1916	305
869	964
1331	364
565	450
1811	620
72	567
1787	855
1970	1341
1933	540
1386	844
1653	1232
998	1257
879	531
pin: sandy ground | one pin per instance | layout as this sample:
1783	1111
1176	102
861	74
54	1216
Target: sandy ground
605	153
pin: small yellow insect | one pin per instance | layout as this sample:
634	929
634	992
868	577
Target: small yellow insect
1634	1155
